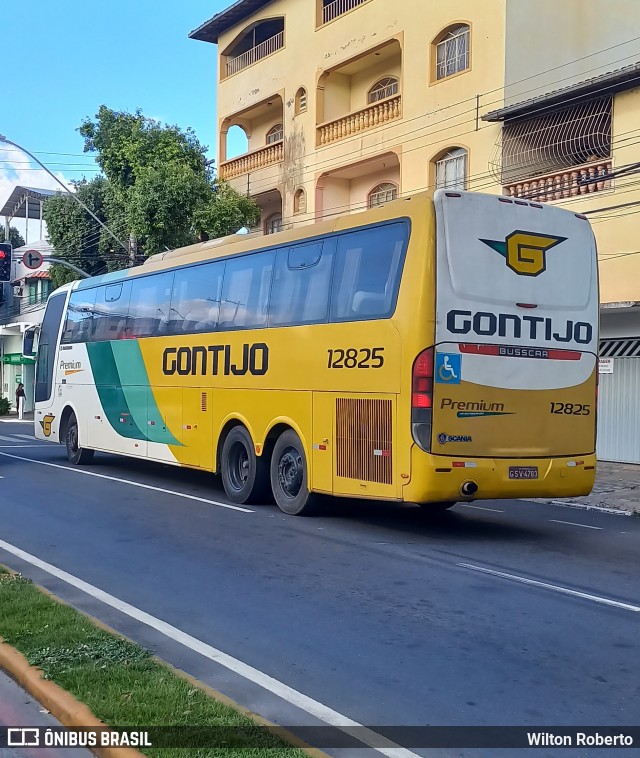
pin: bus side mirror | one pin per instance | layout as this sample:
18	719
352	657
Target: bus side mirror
28	340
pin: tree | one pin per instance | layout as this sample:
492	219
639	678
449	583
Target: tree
77	238
15	238
157	191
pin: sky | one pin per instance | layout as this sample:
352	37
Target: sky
68	57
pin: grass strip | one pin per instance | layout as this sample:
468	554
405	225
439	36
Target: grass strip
121	682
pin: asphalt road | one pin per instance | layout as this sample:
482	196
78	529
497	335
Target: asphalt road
496	613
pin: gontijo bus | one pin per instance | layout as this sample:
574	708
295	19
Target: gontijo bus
432	350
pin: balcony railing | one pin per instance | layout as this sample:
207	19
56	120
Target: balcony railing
582	180
245	164
337	8
257	53
368	118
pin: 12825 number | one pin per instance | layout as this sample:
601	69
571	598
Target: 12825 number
571	409
364	357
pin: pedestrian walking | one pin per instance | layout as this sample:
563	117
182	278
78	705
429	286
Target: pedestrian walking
20	399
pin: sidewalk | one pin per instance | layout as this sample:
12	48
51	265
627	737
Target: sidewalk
617	487
17	708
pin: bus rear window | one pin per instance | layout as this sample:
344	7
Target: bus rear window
367	272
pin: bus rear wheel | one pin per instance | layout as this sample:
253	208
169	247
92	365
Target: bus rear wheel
289	477
75	454
245	477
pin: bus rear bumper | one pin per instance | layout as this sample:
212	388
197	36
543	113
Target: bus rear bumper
436	478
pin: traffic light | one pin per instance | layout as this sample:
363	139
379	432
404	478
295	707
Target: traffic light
5	261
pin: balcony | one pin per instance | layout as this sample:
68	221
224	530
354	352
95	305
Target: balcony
257	159
373	115
338	8
255	54
581	180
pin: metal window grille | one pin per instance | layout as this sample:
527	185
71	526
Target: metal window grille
451	170
383	89
629	348
302	100
552	142
452	53
275	134
336	8
382	194
273	224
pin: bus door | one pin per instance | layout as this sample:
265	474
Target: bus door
197	428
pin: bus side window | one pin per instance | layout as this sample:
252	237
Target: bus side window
110	314
78	323
367	272
300	292
245	291
195	299
149	305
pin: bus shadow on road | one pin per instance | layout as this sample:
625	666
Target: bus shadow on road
412	521
457	523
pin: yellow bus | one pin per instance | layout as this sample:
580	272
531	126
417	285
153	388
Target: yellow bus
437	349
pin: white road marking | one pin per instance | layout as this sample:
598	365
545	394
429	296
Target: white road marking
15	421
554	587
480	507
25	436
14	446
7	439
129	482
304	702
573	523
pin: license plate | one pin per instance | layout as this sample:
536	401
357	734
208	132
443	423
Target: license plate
523	472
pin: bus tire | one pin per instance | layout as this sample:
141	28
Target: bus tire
289	477
75	454
245	477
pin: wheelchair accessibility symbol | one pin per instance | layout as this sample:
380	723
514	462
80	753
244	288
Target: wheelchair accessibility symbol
448	368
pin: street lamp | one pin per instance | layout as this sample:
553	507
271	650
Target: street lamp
65	188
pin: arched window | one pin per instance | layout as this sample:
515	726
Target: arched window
300	202
382	194
273	224
301	101
452	51
451	169
275	134
382	89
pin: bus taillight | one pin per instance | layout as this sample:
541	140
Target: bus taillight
423	379
422	398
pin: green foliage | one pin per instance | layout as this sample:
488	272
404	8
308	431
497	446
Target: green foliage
5	406
15	238
76	237
225	213
156	189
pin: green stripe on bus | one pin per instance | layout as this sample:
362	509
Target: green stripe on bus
135	383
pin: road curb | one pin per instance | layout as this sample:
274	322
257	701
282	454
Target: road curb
60	703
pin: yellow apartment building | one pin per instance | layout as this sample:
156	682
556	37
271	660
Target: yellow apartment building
327	107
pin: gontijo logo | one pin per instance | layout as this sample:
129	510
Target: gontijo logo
525	252
46	424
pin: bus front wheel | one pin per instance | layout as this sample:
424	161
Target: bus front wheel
76	454
245	477
289	476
